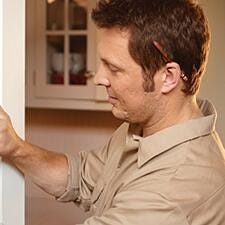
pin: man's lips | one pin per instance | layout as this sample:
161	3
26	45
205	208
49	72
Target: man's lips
112	99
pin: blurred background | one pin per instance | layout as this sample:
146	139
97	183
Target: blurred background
65	112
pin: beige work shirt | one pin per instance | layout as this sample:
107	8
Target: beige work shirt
173	177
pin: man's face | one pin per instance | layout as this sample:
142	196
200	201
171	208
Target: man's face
123	79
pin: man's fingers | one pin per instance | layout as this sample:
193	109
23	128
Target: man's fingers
3	114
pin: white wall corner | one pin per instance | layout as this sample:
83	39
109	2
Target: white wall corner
12	77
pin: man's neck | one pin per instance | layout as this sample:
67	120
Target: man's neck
172	114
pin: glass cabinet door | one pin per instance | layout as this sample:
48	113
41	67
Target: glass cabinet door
55	13
77	59
55	59
65	49
78	14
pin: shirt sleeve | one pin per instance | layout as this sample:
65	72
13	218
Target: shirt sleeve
83	173
132	208
71	192
87	167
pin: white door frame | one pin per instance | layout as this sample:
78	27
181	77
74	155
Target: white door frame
12	88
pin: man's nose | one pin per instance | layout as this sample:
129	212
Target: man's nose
101	78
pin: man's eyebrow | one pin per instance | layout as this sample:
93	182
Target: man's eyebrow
111	64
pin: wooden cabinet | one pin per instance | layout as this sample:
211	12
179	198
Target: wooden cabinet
61	55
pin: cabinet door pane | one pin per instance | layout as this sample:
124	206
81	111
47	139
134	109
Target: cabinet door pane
64	52
78	14
78	59
55	59
55	14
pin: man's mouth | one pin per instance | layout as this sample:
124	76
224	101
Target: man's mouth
112	99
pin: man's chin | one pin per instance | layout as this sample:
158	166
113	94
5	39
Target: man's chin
119	114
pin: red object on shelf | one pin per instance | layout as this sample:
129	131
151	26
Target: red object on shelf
78	79
57	78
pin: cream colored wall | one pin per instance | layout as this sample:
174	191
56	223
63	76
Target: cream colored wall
213	86
68	131
62	131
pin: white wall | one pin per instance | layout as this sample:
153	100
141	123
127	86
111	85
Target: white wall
12	74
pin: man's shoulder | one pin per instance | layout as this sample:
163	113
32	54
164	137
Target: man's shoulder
201	176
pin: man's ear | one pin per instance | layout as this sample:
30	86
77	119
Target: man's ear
171	77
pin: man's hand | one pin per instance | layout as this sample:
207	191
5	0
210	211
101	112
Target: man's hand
47	169
10	142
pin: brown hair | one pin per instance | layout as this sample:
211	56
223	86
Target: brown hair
178	26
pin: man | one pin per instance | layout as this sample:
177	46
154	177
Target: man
165	164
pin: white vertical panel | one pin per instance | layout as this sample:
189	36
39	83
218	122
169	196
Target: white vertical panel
1	81
12	73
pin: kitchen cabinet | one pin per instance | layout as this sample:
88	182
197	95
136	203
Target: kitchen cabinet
61	55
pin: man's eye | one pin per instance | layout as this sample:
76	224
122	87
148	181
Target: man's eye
114	70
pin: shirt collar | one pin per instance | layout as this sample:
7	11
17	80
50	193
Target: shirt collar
155	144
